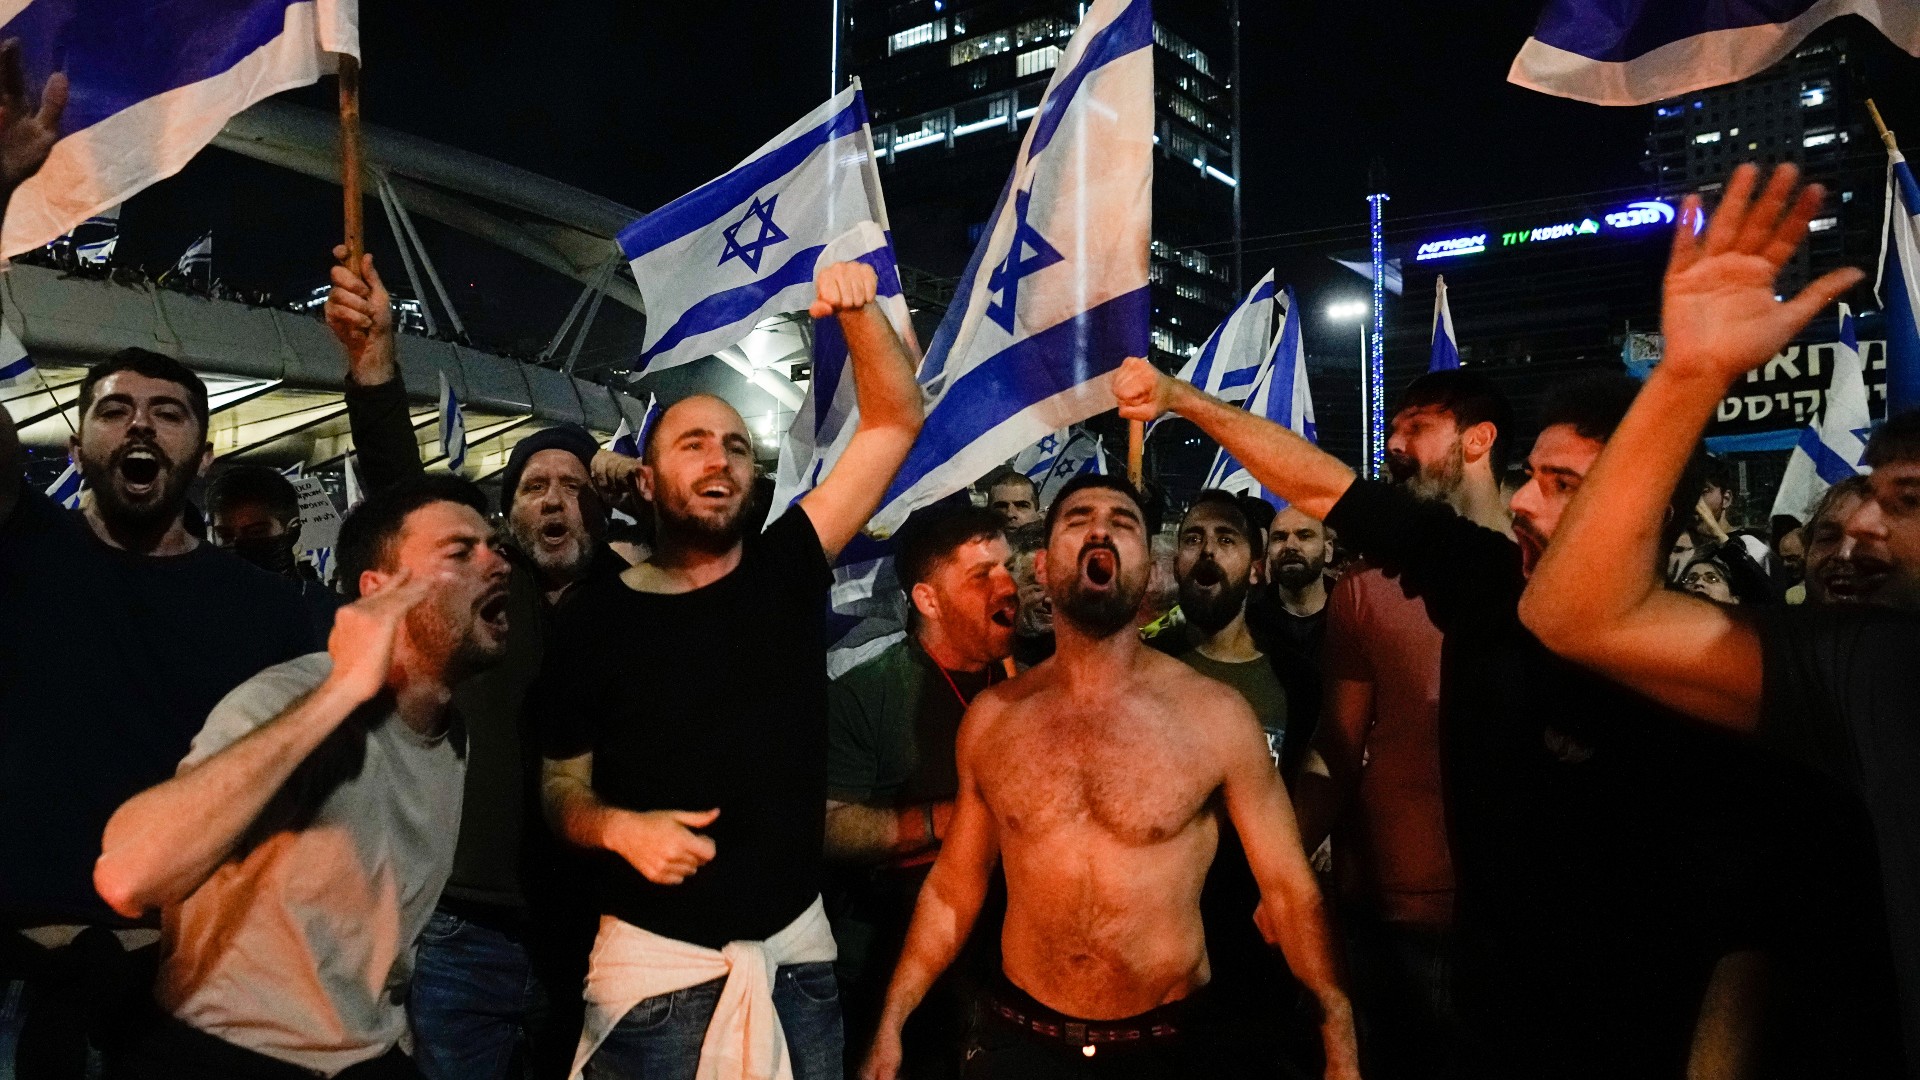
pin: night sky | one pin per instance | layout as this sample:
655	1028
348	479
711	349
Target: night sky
640	105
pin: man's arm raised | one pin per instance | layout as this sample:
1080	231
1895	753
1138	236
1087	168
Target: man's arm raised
949	901
1593	598
1291	915
163	843
889	400
1284	463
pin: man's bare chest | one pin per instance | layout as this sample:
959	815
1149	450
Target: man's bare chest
1136	778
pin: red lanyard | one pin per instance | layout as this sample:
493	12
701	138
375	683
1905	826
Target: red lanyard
955	687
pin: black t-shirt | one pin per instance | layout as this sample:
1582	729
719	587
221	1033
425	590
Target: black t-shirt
1597	837
1843	693
109	665
691	701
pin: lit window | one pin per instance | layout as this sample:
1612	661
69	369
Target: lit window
1707	137
1813	94
1733	131
1822	139
1035	61
1822	224
1171	42
924	34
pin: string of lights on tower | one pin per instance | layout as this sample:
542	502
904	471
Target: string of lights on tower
1375	376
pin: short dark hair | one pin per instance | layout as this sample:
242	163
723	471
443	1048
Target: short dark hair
1088	481
1229	506
368	534
256	484
1028	538
1719	474
1858	487
1897	440
154	366
1006	475
1260	513
1470	398
929	537
1593	405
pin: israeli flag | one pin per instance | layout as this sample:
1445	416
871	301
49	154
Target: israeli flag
152	83
738	249
67	488
1899	285
1081	453
1632	52
1446	354
350	478
16	367
1055	296
197	260
1227	365
624	442
294	471
103	236
830	412
1282	396
1834	446
453	427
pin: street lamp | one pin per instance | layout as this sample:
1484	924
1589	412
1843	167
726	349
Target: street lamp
1357	311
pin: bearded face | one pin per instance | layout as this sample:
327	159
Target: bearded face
1097	562
556	515
1425	453
139	449
1214	566
699	473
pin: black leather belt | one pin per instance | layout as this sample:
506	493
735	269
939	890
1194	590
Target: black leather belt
1081	1032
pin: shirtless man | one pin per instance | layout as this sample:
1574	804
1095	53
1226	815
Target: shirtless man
1097	777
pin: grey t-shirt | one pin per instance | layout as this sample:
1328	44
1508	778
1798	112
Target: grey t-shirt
299	946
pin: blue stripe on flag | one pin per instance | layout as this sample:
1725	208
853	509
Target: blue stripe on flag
18	369
1020	375
123	52
1616	31
1829	466
703	206
1132	30
726	308
1238	378
1897	290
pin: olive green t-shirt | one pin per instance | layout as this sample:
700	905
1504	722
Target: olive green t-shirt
1255	681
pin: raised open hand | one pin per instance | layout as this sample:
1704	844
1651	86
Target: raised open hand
1719	315
27	134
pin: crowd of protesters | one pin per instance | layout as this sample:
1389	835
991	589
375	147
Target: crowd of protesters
1438	775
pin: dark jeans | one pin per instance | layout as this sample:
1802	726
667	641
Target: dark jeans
174	1051
477	1006
659	1039
999	1049
83	1001
1403	1001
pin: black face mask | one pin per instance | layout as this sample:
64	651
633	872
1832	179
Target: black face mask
274	554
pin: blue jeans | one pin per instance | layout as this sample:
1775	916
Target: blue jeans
659	1039
474	1002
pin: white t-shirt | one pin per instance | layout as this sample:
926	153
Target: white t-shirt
300	944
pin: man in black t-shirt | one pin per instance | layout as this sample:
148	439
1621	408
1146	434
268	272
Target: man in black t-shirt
1835	687
1588	918
684	711
121	633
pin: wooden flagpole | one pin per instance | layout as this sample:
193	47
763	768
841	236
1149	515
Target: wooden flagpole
350	160
1136	450
1885	135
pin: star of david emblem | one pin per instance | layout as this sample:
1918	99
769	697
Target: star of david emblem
1006	276
770	234
1862	433
1049	444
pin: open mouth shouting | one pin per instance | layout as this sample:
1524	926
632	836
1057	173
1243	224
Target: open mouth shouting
1207	575
139	468
492	609
1099	566
555	535
1003	616
719	488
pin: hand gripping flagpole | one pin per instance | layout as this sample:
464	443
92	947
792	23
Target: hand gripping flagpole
350	158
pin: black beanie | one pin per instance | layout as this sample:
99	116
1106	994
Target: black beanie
572	438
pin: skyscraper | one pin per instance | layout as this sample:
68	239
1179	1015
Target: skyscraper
952	85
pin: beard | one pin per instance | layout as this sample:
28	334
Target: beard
154	509
436	631
708	530
566	563
1095	611
1296	572
1432	483
1210	598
